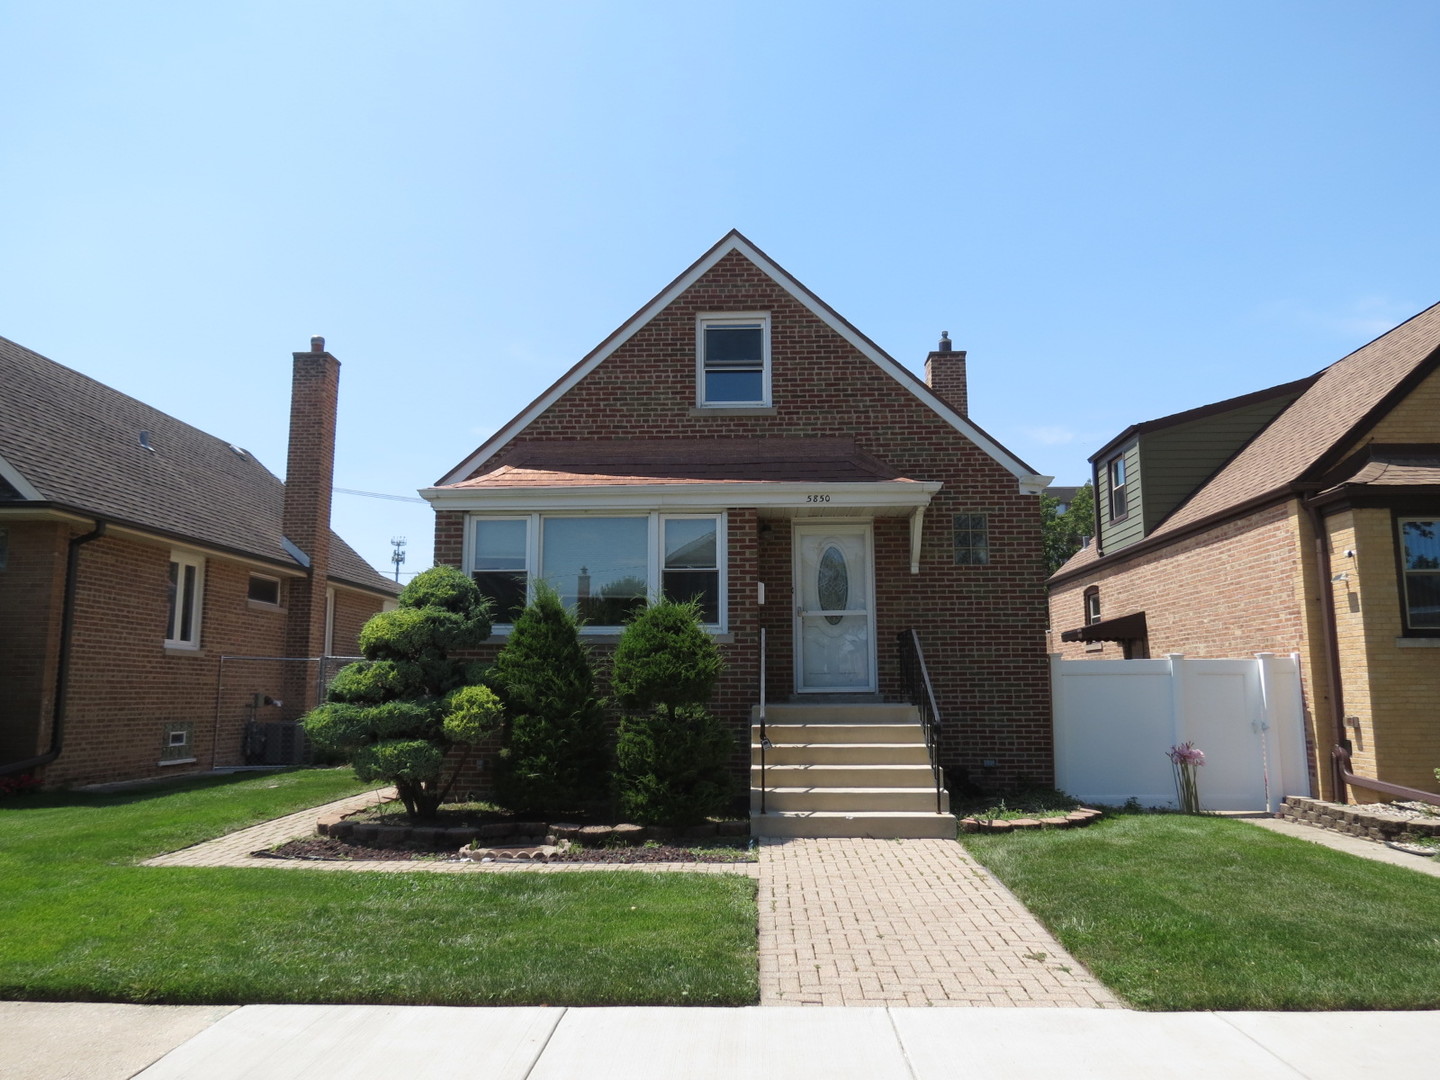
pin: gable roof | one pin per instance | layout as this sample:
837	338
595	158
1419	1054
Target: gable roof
1345	400
72	443
734	241
1308	439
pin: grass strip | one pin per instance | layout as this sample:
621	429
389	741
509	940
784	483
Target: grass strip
79	921
1190	913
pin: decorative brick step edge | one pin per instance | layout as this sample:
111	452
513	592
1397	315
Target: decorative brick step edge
507	834
1076	819
1353	822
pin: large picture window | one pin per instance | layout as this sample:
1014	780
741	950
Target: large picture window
607	567
1420	567
734	360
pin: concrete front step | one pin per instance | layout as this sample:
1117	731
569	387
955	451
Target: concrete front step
874	824
842	754
900	776
850	799
840	733
859	713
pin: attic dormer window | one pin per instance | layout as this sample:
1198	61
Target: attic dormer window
733	362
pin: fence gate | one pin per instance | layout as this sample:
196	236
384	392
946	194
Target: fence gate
1115	719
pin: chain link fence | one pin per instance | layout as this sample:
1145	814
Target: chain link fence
258	703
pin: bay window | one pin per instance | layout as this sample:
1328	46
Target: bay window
606	567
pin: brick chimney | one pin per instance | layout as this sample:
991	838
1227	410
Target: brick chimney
945	374
309	474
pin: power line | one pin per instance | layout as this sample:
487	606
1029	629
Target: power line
378	495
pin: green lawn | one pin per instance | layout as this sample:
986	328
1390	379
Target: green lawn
1176	912
80	921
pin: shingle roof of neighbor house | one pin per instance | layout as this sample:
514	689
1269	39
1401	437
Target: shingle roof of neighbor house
70	441
1310	435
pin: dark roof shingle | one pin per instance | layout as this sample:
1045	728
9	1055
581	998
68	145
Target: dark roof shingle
79	444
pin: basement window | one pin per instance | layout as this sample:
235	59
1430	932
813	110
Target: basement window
177	746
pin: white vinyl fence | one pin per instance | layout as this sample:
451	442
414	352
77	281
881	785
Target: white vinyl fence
1115	720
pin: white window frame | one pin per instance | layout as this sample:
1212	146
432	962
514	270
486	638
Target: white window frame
174	616
1411	627
655	554
268	604
708	320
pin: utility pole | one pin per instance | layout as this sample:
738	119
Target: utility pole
398	555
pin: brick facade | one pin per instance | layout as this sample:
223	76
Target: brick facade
982	627
126	688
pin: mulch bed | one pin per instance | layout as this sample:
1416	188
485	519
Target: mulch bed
326	849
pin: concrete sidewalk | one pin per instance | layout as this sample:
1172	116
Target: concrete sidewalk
361	1042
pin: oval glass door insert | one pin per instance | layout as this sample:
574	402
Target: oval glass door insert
832	583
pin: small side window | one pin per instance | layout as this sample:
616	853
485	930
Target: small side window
185	598
1119	497
972	539
1092	605
264	590
1420	567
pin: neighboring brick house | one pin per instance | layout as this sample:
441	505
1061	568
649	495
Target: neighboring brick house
1298	519
135	553
736	431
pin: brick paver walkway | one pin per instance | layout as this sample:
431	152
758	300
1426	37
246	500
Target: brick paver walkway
904	922
841	922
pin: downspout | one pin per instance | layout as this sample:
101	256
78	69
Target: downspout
1330	641
62	664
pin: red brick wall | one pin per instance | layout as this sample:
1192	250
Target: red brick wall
31	598
982	627
125	687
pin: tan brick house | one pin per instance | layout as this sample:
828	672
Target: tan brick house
141	559
1301	519
738	441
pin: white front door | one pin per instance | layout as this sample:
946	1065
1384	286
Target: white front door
834	608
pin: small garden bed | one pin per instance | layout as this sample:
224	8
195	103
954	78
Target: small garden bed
387	833
330	849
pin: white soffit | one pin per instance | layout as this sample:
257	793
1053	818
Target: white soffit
870	496
734	241
16	479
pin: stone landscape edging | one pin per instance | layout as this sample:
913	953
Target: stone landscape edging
339	826
1348	820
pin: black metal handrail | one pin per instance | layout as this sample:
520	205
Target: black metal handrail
764	738
922	695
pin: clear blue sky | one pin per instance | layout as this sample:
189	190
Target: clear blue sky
1120	209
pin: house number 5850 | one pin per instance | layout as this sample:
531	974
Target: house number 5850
817	498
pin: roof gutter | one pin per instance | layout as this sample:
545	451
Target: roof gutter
62	666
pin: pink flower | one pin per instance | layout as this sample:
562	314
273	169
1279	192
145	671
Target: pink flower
1186	754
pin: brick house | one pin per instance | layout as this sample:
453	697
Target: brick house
1299	519
738	441
141	559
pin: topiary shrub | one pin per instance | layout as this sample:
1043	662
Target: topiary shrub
557	745
396	714
672	755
